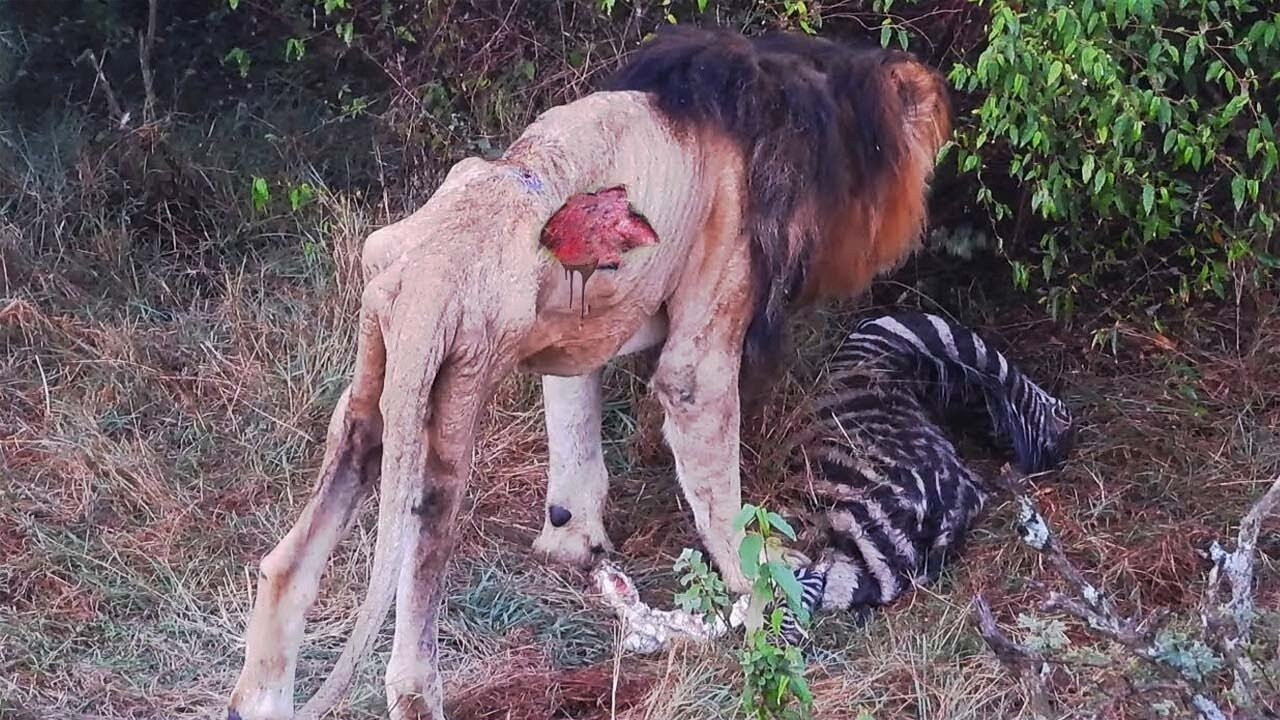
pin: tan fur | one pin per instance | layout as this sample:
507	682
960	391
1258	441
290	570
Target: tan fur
460	294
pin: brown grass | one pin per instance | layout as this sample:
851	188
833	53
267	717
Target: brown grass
149	460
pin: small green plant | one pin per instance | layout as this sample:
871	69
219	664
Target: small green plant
300	196
294	49
239	59
259	194
704	592
346	30
351	107
799	11
774	687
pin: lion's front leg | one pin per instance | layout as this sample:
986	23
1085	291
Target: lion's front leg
697	384
577	481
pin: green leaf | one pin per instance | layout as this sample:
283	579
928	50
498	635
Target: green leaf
886	34
1238	190
749	555
688	600
1086	169
259	194
786	580
743	517
346	31
300	196
1148	198
1233	108
239	58
781	525
294	49
1192	51
1055	72
233	4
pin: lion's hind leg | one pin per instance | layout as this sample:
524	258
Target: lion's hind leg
289	575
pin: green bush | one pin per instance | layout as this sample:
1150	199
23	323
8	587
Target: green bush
1132	130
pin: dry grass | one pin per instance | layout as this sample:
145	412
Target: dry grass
159	432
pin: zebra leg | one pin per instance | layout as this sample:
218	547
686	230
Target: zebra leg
813	582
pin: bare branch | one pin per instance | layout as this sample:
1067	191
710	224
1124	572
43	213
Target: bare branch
144	62
1228	625
1092	607
1239	564
1024	663
117	113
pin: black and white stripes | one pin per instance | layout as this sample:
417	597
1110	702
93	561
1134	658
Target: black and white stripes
897	497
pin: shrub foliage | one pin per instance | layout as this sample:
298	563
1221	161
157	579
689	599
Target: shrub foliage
1133	129
1124	148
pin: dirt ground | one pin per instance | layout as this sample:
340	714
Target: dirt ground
154	446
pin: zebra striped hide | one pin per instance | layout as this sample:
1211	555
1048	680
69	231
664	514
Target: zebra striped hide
896	496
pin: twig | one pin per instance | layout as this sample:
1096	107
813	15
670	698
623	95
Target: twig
1239	564
1234	571
1094	609
1026	664
144	62
113	105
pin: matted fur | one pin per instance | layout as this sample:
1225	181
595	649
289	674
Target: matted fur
838	141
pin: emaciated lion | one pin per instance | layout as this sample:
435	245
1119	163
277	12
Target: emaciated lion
773	171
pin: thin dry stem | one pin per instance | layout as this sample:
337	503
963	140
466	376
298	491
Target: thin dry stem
1024	663
113	105
145	42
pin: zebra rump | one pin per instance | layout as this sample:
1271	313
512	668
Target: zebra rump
896	497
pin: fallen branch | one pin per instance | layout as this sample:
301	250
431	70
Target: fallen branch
1233	572
1226	626
1024	663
